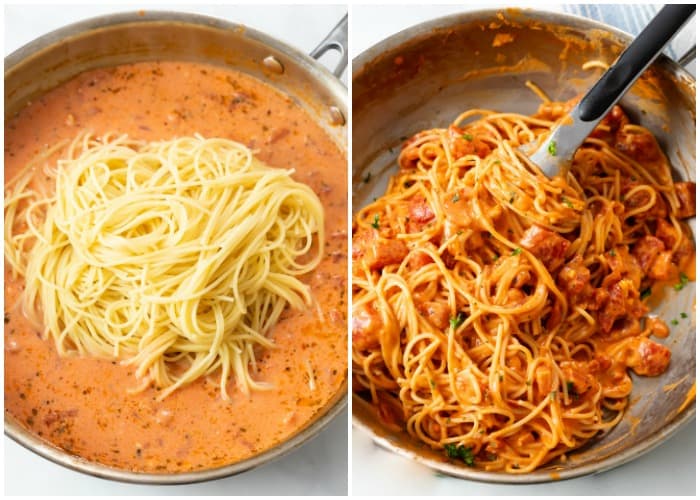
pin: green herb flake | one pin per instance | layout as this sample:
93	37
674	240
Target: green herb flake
571	390
552	148
456	321
460	452
683	280
553	395
684	315
455	198
367	177
567	202
517	251
432	384
375	224
612	253
496	257
468	137
645	293
674	322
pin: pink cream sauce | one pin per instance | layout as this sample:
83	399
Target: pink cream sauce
82	404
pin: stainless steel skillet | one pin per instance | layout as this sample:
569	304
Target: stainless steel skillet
141	36
425	76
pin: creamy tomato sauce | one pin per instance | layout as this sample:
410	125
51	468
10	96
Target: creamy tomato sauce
82	404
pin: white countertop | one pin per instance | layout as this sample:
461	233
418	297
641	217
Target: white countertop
667	470
320	466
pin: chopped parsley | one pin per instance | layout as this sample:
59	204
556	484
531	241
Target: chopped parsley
375	224
553	395
468	137
455	198
457	320
567	202
612	253
517	251
645	293
552	148
496	257
460	452
571	390
681	284
432	383
367	177
674	321
684	315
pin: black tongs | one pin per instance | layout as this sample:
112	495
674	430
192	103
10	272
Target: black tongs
556	152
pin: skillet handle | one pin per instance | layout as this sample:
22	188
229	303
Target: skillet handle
633	61
337	39
688	57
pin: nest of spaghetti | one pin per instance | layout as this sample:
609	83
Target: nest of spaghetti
175	257
497	314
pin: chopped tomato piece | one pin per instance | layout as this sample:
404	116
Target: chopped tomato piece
366	325
574	276
686	197
546	245
622	301
647	357
463	143
377	252
646	250
437	313
663	267
638	145
608	126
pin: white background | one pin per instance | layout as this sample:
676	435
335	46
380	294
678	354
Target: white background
320	466
667	470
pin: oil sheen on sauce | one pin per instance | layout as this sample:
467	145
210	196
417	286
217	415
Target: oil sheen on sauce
82	404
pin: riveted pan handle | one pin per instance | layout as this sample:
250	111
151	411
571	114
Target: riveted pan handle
688	57
337	39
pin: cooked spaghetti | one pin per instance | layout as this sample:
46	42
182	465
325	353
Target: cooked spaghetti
176	256
496	312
